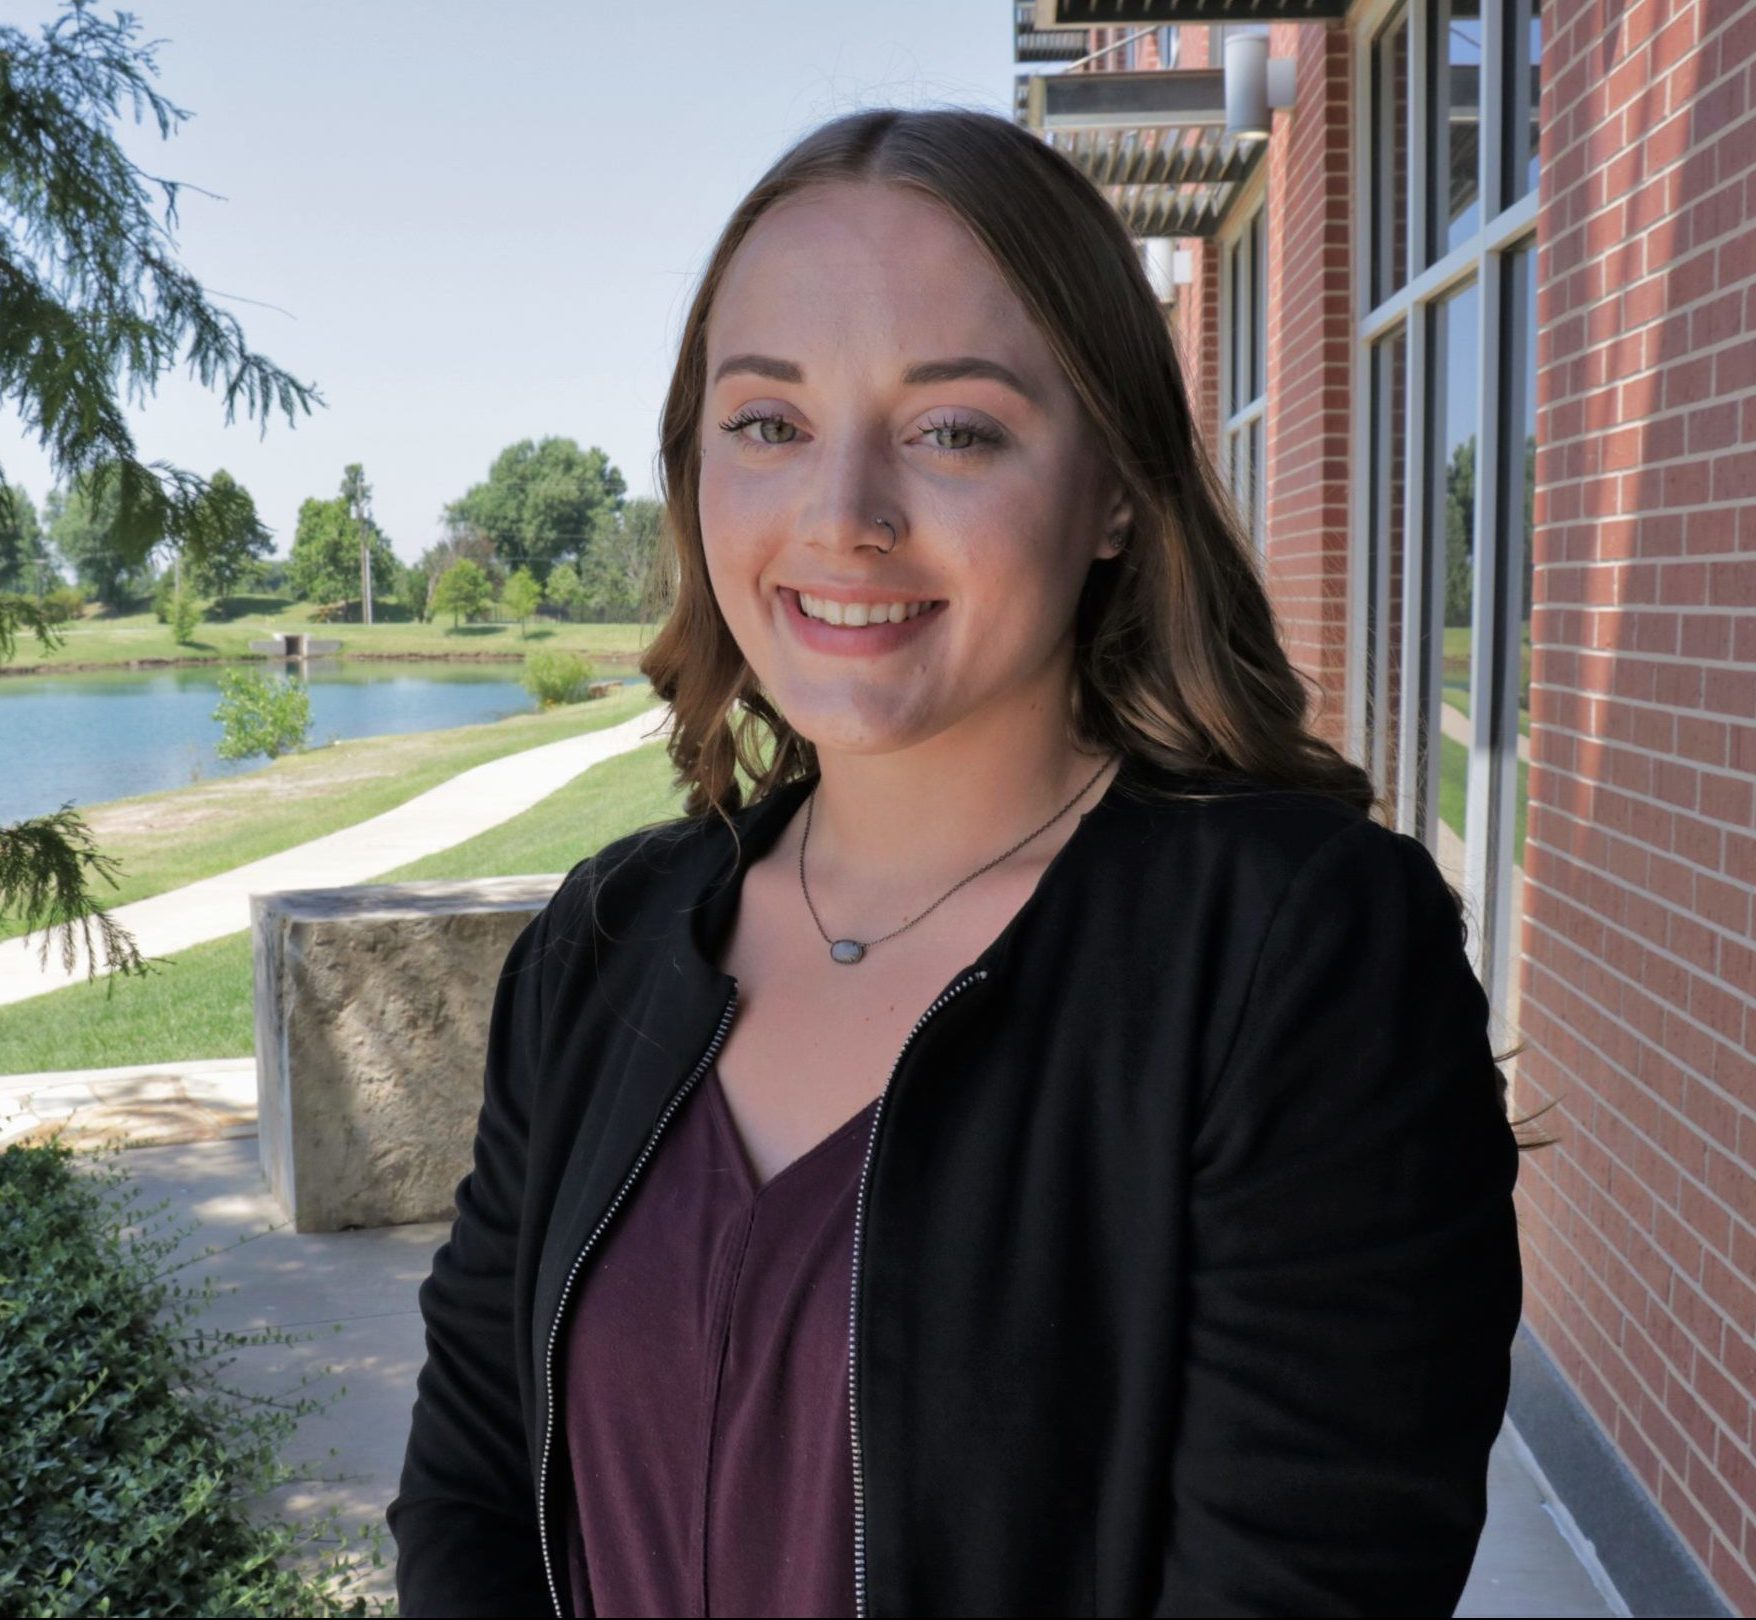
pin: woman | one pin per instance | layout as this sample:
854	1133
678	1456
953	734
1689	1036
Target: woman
1042	1153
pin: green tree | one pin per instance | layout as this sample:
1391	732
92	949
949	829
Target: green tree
185	615
97	308
234	541
463	591
462	542
620	563
82	527
522	597
260	715
564	589
415	587
23	548
164	595
356	495
325	565
1460	533
541	501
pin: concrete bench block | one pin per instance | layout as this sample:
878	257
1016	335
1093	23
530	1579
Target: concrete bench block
372	1009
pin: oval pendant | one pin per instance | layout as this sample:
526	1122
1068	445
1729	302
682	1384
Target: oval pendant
847	950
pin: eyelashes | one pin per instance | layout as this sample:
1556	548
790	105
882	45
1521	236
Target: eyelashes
984	438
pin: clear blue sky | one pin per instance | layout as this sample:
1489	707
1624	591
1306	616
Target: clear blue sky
481	222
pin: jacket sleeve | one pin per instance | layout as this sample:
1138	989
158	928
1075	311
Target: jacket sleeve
465	1517
1354	1280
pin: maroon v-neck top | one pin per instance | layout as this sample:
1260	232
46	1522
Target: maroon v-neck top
706	1381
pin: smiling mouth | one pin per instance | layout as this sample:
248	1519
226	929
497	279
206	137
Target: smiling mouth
920	609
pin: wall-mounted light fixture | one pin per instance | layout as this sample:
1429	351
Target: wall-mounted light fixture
1255	82
1167	266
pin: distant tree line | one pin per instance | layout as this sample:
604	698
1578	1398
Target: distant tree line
559	515
550	529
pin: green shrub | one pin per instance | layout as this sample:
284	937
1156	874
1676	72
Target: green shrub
185	615
261	716
553	677
129	1470
64	602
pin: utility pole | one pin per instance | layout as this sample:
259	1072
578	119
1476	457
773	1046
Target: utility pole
365	564
358	492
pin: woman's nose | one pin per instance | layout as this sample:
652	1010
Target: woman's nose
851	488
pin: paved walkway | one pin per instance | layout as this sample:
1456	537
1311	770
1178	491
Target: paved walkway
149	1104
1455	724
367	1282
467	804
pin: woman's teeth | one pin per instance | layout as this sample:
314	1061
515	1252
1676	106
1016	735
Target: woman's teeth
854	614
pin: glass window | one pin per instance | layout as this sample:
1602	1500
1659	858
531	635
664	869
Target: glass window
1453	333
1235	339
1258	491
1385	508
1244	345
1389	148
1443	664
1523	98
1259	304
1509	783
1454	118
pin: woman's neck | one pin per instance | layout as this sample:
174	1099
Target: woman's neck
910	819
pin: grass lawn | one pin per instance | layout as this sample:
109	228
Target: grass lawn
1458	698
164	840
1454	656
1453	788
139	637
197	1003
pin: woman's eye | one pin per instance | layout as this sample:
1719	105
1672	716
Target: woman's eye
952	438
974	438
738	423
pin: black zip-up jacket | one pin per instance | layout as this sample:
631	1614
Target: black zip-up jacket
1185	1265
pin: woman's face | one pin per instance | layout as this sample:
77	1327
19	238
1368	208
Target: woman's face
839	392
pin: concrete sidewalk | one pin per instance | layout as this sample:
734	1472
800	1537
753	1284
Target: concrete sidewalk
467	804
368	1283
146	1105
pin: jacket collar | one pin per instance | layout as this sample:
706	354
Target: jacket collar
699	930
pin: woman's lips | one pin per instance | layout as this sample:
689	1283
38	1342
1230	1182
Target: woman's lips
862	640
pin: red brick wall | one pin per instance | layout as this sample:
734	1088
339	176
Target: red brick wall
1639	988
1310	225
1309	299
1195	331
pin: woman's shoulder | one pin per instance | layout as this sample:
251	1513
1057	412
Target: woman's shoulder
1236	820
1289	853
650	873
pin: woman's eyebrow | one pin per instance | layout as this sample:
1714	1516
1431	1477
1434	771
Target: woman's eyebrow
924	371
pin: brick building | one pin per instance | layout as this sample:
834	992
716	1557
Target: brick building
1466	296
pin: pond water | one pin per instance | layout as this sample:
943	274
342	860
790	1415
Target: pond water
89	737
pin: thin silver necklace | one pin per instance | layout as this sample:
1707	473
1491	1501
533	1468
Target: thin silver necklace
852	950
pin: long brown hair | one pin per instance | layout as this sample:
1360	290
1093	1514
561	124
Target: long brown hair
1178	657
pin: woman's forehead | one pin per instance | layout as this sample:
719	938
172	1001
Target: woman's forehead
868	265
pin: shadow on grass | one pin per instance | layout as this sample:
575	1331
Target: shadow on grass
244	607
477	630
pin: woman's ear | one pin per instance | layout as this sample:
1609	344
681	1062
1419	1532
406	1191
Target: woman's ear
1118	526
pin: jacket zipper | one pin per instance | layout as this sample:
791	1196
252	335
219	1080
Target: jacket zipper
579	1259
854	1297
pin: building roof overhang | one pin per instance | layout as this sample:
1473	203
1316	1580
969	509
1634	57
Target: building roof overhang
1082	14
1154	143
